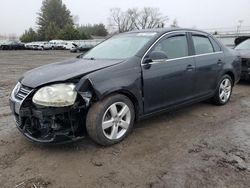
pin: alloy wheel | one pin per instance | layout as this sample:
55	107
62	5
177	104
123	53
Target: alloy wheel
225	90
116	120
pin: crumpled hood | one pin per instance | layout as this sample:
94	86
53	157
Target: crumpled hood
63	71
244	53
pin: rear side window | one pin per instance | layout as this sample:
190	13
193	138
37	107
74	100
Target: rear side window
202	45
216	46
173	47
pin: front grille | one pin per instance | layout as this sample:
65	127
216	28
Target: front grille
23	92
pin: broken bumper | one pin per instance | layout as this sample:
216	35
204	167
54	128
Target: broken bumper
48	125
245	70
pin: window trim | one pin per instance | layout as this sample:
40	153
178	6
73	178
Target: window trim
175	59
213	41
189	35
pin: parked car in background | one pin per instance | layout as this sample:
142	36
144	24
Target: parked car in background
81	48
244	50
38	45
57	44
240	39
69	45
2	42
125	78
86	45
12	45
29	46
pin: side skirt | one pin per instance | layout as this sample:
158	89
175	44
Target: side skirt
176	107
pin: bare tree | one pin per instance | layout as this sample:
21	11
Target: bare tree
117	19
150	18
123	21
131	18
134	19
175	23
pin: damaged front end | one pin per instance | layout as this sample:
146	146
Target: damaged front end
47	124
245	72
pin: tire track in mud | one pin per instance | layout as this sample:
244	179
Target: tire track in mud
211	161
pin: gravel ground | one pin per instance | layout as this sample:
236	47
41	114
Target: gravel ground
199	146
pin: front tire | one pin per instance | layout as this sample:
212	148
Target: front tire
109	121
224	91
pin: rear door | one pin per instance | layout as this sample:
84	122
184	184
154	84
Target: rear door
169	79
209	61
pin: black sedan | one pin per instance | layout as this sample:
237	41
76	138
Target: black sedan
12	45
124	79
244	50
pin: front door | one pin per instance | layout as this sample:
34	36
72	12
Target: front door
169	78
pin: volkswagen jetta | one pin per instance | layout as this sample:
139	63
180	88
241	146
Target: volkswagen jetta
125	78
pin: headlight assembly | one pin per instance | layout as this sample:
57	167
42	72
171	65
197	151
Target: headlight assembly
57	95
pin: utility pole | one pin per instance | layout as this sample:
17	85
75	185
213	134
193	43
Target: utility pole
239	27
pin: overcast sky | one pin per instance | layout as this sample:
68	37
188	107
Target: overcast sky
18	15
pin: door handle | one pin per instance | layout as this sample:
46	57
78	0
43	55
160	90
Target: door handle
190	68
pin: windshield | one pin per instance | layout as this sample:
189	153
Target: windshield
120	47
244	45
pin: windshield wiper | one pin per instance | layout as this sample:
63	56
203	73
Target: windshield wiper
81	56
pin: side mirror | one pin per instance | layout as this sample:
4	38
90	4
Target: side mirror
146	63
158	55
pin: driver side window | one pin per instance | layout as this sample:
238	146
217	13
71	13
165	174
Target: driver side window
170	48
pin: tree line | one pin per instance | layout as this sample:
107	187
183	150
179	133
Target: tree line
55	21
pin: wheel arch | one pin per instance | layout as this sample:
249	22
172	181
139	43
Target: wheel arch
231	74
97	95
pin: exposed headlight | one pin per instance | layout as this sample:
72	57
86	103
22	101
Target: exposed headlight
57	95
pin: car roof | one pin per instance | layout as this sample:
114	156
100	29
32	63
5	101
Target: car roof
169	29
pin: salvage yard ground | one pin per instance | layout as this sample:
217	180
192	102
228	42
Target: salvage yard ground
199	146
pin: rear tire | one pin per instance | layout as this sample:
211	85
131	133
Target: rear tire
111	120
224	91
